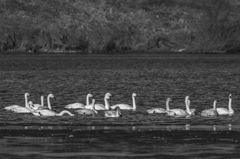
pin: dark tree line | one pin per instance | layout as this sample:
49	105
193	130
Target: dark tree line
120	25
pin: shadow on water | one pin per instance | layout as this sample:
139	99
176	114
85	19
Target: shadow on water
171	141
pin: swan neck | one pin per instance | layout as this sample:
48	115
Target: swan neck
26	100
167	105
106	103
49	104
134	103
214	105
42	100
230	105
87	100
187	102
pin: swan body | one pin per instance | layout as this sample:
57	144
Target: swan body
210	112
86	111
126	106
48	112
225	111
78	105
178	112
20	109
100	106
156	110
113	113
17	106
38	106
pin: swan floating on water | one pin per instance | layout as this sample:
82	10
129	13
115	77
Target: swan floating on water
40	105
48	112
225	111
78	105
156	110
210	112
100	106
178	112
20	109
86	111
126	106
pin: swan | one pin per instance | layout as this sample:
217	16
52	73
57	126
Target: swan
18	106
86	111
113	113
210	112
39	105
78	105
49	112
178	112
224	111
126	106
193	111
101	106
156	110
20	109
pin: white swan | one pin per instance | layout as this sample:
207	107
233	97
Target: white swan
78	105
18	106
156	110
126	106
49	112
20	109
224	111
100	106
210	112
178	112
187	102
39	105
113	113
86	111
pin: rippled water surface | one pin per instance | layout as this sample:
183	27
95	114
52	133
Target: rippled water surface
136	134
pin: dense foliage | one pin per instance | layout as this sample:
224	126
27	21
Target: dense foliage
120	25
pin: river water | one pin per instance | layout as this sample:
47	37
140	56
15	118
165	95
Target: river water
153	78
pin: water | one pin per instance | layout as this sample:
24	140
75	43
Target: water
136	135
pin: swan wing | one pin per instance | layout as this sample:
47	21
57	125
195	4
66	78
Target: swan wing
11	107
222	111
100	107
156	110
20	110
122	106
74	106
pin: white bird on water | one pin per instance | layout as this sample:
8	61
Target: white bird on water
210	112
86	111
100	106
20	109
126	106
225	111
78	105
48	112
178	112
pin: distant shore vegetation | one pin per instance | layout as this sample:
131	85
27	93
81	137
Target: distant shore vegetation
96	26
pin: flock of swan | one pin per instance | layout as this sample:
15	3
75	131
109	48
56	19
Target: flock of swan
114	110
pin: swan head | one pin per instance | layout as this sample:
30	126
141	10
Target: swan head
169	99
90	95
108	95
50	96
27	94
134	95
31	106
230	95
